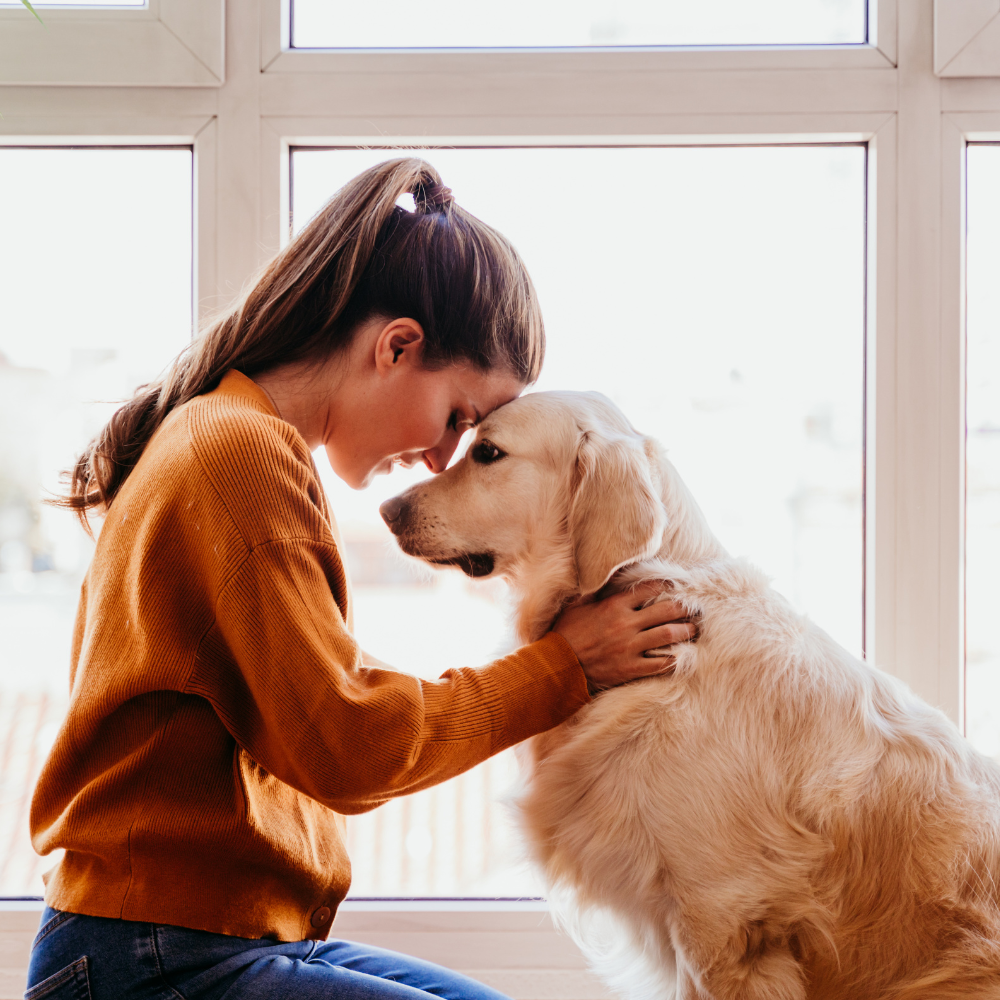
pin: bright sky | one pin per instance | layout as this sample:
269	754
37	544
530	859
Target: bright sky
96	255
446	23
983	449
95	293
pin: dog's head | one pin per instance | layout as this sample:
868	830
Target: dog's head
556	484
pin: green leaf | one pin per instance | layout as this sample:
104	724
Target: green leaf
33	11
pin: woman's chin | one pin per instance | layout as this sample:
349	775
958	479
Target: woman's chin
361	481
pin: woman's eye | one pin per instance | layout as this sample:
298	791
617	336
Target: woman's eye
486	452
456	422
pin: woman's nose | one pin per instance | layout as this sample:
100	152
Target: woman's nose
437	459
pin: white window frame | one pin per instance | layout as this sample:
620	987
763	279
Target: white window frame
967	38
166	43
898	94
277	55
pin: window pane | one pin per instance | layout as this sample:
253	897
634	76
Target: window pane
716	294
982	526
95	298
556	23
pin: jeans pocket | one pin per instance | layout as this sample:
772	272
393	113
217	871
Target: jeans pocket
58	918
71	983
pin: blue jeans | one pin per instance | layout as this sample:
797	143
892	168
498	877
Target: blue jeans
75	957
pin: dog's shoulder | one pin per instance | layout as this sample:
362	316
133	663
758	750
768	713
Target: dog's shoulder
721	579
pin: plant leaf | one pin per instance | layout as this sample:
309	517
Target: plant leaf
33	11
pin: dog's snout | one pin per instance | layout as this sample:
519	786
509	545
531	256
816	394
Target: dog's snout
393	512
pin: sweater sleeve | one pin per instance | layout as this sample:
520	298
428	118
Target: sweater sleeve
287	680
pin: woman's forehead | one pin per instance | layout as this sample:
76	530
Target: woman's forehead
485	391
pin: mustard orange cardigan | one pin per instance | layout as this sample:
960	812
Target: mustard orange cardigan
220	718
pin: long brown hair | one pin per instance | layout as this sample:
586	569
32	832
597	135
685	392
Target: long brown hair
361	256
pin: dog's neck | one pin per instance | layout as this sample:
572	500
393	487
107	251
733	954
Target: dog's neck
547	581
687	540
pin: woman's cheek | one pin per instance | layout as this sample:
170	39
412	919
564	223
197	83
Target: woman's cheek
426	431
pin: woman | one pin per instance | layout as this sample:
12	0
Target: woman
222	718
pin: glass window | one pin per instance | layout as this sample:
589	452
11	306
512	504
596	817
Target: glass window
982	512
95	299
715	294
558	23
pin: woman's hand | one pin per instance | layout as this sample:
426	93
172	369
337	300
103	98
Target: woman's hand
610	637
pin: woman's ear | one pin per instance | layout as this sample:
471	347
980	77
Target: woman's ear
400	342
616	516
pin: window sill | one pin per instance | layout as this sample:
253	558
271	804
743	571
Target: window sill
678	59
511	945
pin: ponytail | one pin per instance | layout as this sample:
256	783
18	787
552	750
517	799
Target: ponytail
361	256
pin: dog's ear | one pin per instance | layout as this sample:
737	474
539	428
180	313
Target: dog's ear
616	516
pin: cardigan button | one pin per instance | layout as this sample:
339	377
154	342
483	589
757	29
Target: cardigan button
321	916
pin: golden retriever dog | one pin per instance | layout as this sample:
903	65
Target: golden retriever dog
773	819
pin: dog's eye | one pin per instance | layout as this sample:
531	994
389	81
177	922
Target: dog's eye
486	452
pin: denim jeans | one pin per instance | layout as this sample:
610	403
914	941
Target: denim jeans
75	957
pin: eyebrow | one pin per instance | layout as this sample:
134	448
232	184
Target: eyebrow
472	423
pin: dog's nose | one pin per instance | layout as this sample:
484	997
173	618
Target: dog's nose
392	513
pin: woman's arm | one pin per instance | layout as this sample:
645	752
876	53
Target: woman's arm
287	679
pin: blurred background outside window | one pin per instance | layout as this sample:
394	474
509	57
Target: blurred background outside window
715	294
556	23
95	298
982	549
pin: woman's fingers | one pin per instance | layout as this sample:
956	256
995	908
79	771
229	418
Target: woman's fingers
612	637
660	614
637	668
646	591
665	635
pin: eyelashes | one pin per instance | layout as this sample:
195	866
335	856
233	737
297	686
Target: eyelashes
454	422
486	453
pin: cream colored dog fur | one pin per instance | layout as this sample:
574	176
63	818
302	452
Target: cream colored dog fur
773	819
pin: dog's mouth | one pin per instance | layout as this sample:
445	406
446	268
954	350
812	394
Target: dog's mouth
471	563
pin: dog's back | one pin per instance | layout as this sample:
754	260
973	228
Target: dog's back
782	818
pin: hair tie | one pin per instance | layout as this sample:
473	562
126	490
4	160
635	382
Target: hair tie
435	197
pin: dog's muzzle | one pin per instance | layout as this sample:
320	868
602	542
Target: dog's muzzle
396	514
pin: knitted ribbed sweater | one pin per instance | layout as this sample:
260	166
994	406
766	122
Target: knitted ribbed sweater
220	716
